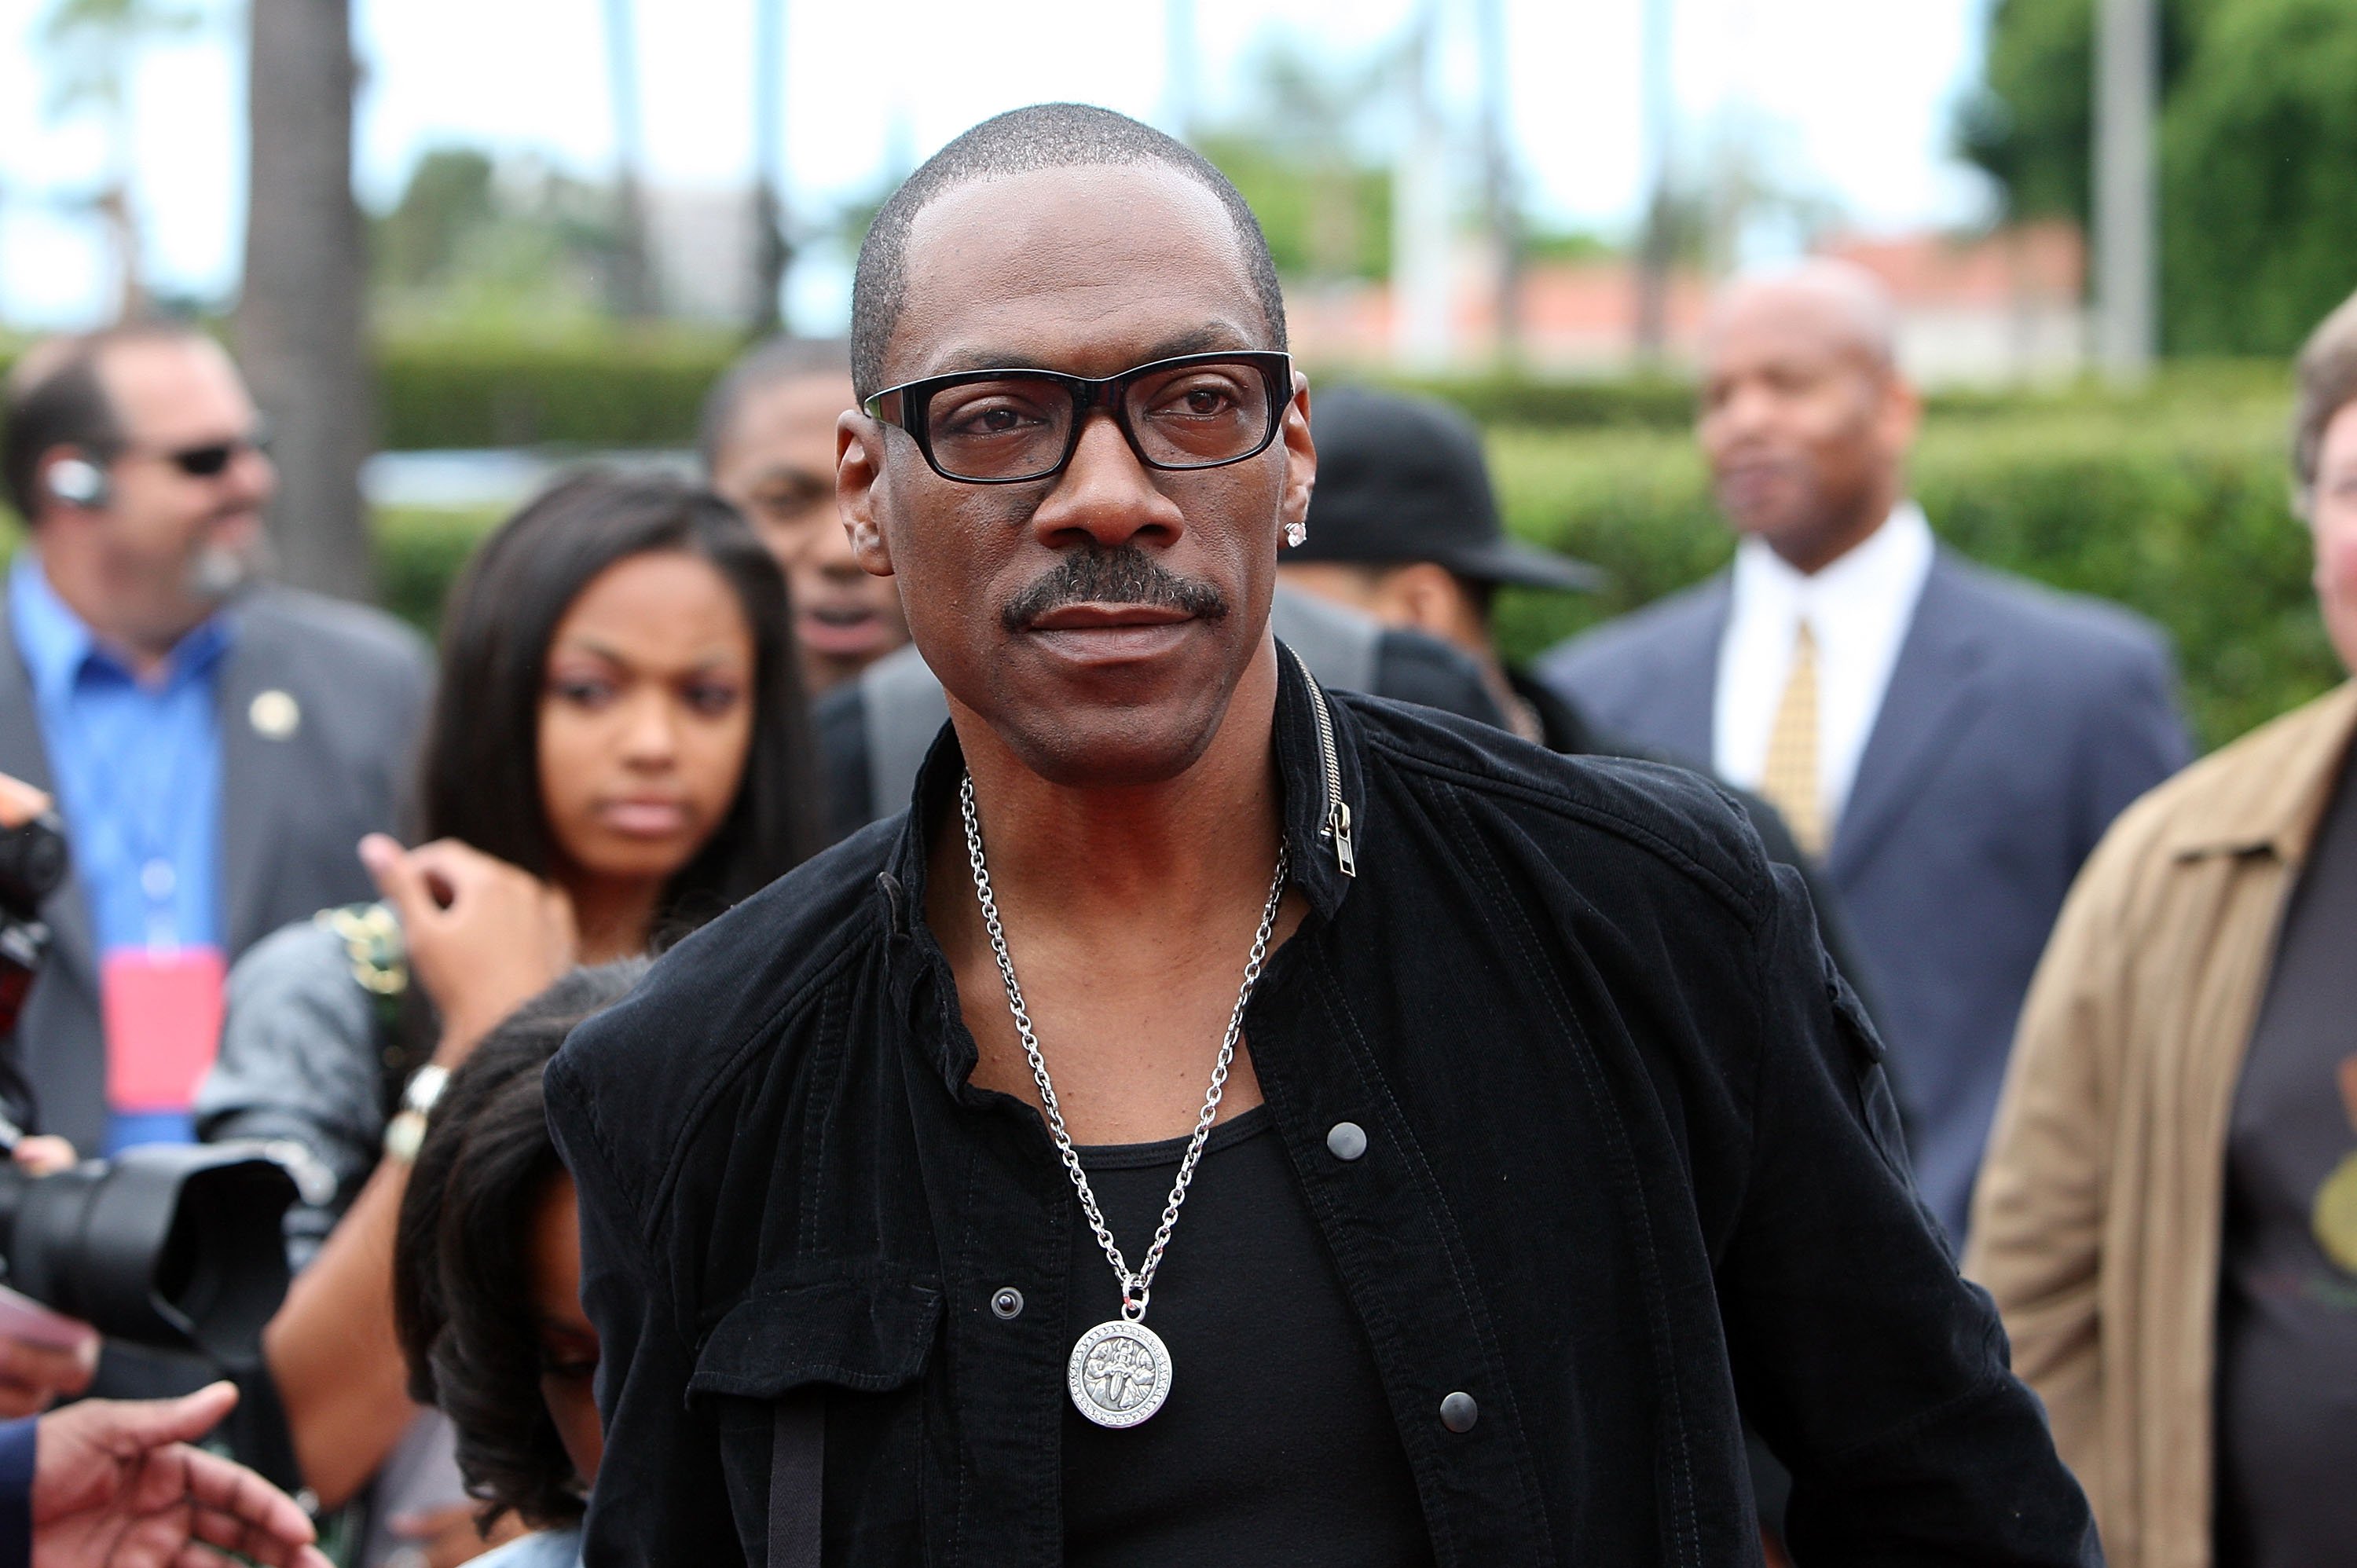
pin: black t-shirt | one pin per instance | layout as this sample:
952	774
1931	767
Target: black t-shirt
2287	1301
1276	1446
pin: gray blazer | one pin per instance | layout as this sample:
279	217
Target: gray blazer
293	807
2019	722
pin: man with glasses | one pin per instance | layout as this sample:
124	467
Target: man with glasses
1225	1120
217	745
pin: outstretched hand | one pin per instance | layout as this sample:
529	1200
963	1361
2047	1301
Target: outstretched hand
115	1485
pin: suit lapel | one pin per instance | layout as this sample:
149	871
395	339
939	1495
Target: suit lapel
1935	689
23	754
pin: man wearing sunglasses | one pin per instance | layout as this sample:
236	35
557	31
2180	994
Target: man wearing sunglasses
217	745
1224	1121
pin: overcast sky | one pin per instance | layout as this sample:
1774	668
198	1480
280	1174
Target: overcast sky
1849	97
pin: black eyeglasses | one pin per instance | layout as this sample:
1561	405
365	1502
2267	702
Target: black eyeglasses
206	462
1004	427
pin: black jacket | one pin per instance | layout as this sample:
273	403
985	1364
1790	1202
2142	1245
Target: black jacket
1630	1155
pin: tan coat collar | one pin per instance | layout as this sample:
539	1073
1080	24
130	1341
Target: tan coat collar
2273	795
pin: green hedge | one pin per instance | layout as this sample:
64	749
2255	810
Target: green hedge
626	391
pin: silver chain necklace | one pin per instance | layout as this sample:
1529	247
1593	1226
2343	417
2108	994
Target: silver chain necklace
1120	1371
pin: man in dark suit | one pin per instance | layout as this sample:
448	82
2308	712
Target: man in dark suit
217	745
1952	740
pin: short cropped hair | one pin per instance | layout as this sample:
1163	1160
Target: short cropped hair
461	1275
760	368
2328	384
1022	141
57	398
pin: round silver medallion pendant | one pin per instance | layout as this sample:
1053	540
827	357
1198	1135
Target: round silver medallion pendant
1120	1373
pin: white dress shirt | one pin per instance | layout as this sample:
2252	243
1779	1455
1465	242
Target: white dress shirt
1858	609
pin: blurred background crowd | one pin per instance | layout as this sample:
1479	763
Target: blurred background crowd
1915	379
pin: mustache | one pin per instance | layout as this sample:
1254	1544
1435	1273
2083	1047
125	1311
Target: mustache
1124	574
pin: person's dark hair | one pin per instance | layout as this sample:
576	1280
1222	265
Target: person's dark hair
1021	141
57	398
760	368
2328	384
479	775
461	1275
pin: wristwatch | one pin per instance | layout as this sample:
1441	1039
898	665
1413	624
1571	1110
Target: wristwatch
407	1131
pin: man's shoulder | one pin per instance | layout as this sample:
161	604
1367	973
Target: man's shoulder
2041	623
1675	623
1662	819
640	1076
308	625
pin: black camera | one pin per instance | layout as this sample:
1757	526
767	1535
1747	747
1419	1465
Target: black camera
180	1248
32	864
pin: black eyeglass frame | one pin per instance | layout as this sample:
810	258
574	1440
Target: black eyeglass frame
912	398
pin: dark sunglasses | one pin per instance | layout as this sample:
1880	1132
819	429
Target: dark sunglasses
210	460
1005	428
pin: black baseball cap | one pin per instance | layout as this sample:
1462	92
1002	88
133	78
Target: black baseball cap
1401	479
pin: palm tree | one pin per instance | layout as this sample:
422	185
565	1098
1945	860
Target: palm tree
772	251
301	316
633	278
93	45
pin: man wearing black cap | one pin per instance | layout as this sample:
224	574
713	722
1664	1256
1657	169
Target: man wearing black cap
1405	527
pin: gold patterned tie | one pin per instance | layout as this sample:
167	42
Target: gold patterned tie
1789	780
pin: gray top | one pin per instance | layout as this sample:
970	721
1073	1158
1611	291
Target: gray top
2288	1297
300	1060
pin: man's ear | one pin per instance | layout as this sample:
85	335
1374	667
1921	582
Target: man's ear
1901	414
858	478
1301	455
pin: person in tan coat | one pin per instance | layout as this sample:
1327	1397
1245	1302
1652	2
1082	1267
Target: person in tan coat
2168	1212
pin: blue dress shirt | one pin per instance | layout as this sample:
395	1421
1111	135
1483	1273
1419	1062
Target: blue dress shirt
138	779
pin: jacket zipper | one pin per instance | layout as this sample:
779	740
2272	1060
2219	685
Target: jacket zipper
1337	810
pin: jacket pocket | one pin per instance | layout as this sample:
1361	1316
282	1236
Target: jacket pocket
868	1336
842	1361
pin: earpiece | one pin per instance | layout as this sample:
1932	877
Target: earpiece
77	482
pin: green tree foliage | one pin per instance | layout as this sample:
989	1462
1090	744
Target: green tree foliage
2031	124
474	244
2258	135
2259	148
448	200
1327	216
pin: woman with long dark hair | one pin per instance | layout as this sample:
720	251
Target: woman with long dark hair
618	751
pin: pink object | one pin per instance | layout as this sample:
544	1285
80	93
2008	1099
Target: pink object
163	1013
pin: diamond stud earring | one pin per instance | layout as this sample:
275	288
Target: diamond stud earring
1295	535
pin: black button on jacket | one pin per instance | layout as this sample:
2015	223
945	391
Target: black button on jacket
1631	1160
